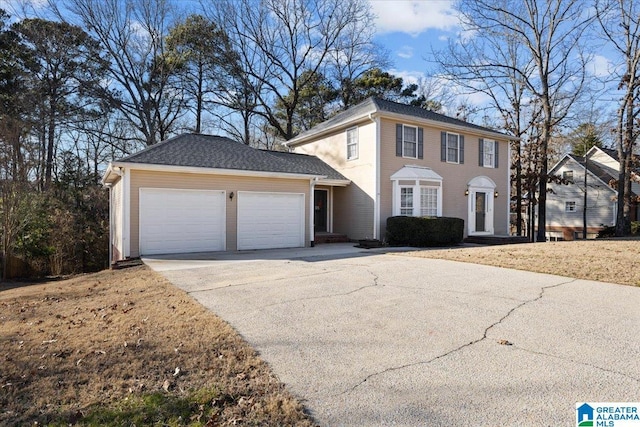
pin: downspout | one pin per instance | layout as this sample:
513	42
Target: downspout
376	166
312	185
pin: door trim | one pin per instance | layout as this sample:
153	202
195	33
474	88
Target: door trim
480	184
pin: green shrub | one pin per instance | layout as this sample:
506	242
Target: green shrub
424	231
635	228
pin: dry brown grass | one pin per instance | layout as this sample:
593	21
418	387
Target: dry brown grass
614	261
105	349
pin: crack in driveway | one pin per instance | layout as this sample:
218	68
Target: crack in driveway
577	362
375	284
457	349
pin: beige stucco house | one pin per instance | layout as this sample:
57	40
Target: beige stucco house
203	193
404	160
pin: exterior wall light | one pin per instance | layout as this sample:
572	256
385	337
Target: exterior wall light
231	196
466	192
496	194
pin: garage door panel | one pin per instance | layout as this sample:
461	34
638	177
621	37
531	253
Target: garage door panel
270	220
179	221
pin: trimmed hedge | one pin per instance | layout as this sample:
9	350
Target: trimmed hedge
424	231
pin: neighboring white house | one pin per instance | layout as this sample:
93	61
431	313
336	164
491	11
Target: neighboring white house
565	202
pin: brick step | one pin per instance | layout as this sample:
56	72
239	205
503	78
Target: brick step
330	238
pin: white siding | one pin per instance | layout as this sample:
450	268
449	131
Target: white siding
600	200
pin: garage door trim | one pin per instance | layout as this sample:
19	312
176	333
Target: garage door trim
141	213
301	238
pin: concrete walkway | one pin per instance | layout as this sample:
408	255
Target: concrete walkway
374	339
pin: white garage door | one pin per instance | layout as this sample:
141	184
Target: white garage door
270	220
178	221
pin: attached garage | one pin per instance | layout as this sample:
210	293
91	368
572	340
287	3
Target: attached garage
270	220
204	193
181	221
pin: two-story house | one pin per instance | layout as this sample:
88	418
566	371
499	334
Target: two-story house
404	160
566	202
205	193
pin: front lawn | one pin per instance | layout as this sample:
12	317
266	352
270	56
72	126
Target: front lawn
127	348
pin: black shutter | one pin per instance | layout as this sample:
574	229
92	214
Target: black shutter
461	149
399	140
420	143
481	152
496	155
443	146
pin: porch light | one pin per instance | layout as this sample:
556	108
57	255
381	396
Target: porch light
466	192
231	196
496	194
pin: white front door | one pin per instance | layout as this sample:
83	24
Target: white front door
480	215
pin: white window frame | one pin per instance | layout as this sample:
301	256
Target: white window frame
457	148
415	142
488	156
352	143
409	208
567	172
416	208
570	206
423	209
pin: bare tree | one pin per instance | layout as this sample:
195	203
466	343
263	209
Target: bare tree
525	49
620	25
132	33
277	41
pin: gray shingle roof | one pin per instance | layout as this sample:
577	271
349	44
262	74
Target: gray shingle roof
310	164
374	104
594	168
217	152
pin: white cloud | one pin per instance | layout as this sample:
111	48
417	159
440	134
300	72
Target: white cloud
405	52
600	66
412	16
408	77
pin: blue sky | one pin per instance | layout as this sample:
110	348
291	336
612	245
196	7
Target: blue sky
411	29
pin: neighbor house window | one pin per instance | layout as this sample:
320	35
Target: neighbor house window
428	201
406	201
453	148
410	142
570	206
568	175
488	153
352	143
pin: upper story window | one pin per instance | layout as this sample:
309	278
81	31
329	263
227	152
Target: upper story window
568	175
409	141
452	148
570	206
352	143
488	153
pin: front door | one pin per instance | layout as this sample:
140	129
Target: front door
320	211
481	212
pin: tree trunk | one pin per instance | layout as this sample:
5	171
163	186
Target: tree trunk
518	189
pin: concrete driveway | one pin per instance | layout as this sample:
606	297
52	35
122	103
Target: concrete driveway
373	339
